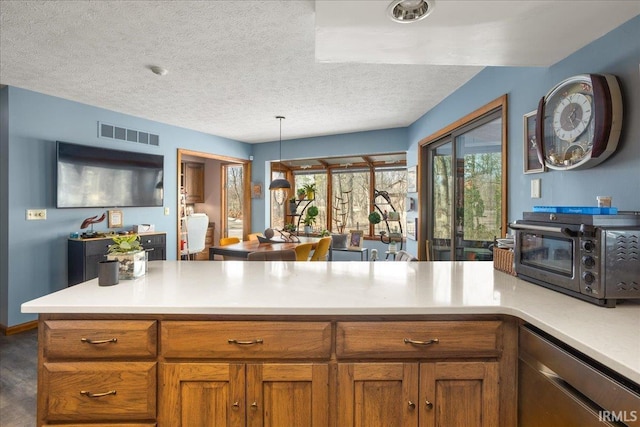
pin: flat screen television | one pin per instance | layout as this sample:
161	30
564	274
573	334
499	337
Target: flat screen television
93	177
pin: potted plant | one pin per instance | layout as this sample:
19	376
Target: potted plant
310	218
310	190
301	192
290	228
292	206
374	218
130	253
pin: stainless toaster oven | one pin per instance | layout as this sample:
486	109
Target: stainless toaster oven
592	257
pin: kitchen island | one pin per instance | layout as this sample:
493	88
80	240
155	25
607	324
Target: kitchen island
340	333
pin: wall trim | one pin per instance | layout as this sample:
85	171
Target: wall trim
22	327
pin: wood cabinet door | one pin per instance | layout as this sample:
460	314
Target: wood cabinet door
194	181
459	394
288	395
378	395
202	395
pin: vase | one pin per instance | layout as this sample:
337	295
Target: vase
292	208
132	264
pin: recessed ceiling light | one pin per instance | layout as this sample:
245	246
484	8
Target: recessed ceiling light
158	70
407	11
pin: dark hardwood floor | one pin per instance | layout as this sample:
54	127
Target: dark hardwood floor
18	379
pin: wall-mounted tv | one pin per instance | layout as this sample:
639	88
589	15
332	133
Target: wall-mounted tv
93	177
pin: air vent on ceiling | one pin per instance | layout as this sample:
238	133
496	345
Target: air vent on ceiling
106	130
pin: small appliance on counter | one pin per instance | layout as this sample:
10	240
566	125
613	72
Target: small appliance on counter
594	257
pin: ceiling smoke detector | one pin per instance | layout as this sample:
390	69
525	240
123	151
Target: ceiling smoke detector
158	70
407	11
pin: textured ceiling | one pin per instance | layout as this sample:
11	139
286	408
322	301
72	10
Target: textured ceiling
235	65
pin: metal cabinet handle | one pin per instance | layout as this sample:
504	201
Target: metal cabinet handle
236	405
415	342
90	341
241	342
254	405
412	405
89	394
428	404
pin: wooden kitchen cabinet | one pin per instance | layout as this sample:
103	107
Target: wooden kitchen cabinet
253	395
280	393
308	371
98	371
420	394
193	182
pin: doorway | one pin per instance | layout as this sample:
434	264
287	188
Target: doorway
463	193
210	194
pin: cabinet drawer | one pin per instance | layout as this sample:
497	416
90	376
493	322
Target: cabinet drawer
100	339
245	340
152	240
99	391
418	339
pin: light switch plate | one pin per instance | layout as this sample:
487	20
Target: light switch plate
36	214
166	211
535	188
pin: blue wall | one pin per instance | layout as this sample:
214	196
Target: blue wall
33	254
616	53
37	260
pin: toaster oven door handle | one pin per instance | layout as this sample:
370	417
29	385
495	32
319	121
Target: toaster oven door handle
566	231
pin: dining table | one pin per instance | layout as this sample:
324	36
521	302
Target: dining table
242	249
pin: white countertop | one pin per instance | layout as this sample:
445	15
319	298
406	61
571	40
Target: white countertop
609	335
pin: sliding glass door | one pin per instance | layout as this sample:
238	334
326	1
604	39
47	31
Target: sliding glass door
465	174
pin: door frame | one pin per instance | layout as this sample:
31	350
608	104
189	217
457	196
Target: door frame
499	103
246	187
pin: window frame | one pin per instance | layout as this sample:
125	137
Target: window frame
331	165
472	119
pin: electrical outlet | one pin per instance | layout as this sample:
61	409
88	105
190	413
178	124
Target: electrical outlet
166	211
535	188
36	214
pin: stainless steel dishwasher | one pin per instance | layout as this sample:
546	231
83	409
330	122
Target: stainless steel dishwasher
560	387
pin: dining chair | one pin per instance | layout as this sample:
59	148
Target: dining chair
302	251
224	241
195	227
403	255
253	236
282	255
322	250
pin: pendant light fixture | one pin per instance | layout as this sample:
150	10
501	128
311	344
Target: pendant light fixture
280	183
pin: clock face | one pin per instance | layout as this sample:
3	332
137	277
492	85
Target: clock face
579	121
568	123
571	116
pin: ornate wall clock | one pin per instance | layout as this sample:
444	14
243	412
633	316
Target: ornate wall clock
578	122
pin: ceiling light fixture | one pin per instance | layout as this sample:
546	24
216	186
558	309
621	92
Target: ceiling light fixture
407	11
280	183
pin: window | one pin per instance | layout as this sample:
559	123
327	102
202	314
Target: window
320	196
351	200
345	192
392	184
233	203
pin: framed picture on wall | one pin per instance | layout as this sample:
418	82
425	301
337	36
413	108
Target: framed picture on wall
412	226
256	190
115	219
531	161
412	185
